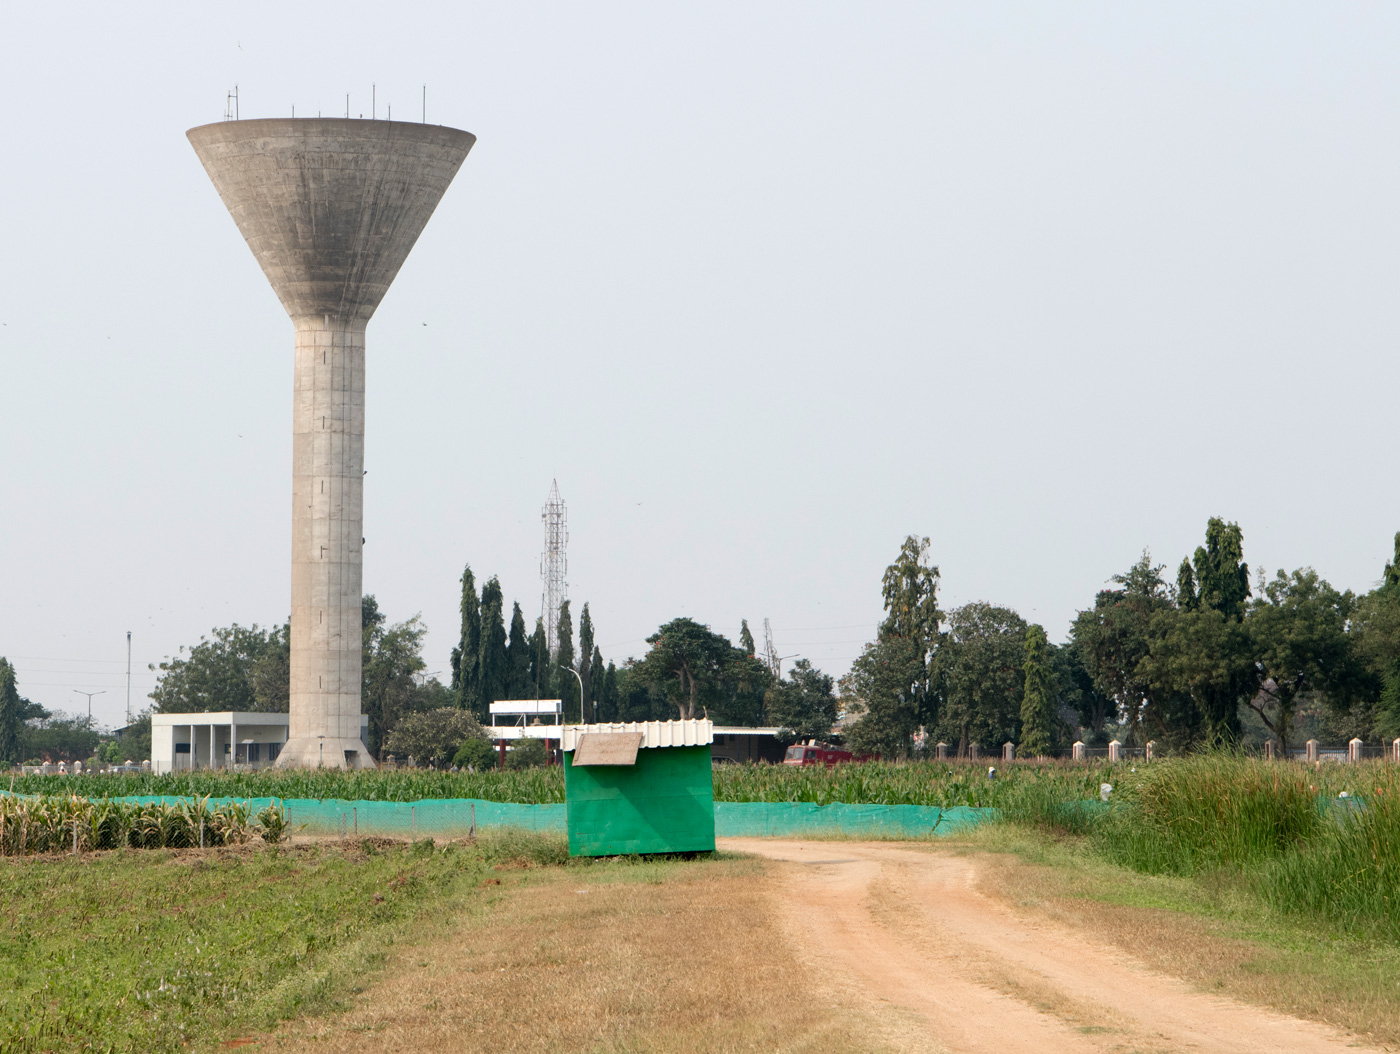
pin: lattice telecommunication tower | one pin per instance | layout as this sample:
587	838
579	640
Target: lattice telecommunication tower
554	564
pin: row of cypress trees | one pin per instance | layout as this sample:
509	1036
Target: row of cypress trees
491	662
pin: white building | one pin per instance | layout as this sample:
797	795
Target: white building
183	742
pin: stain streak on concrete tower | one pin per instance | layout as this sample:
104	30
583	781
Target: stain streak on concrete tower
330	208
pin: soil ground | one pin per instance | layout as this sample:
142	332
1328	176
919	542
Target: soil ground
822	946
912	928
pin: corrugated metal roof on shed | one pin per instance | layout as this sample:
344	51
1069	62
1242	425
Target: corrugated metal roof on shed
696	732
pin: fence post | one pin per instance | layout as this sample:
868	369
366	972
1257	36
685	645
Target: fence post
1395	751
1008	751
357	820
1354	750
1269	750
942	750
1311	749
75	836
1115	751
473	831
1151	749
413	822
1077	751
974	751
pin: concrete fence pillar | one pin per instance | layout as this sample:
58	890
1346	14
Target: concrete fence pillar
1151	749
1354	750
1008	751
1395	751
1269	749
942	749
974	751
1077	751
1115	751
1311	749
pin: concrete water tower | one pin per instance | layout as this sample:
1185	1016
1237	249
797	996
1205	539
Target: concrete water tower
330	208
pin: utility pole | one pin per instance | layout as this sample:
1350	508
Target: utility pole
89	697
128	677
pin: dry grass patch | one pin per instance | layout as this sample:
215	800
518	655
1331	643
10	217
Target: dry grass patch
1203	931
655	957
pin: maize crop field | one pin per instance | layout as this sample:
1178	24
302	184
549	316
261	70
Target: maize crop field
69	823
874	783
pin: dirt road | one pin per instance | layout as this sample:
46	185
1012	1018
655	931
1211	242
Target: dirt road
962	972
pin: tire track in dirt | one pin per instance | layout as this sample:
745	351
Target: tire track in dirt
910	928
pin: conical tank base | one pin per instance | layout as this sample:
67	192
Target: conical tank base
315	752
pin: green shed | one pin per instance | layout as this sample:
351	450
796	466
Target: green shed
639	787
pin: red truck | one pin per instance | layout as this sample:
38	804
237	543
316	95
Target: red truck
811	754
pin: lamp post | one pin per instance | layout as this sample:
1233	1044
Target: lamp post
89	697
582	717
321	762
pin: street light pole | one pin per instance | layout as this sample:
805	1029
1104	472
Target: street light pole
582	716
89	697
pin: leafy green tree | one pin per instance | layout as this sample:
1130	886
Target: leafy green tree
392	659
686	664
892	677
134	741
981	676
585	655
272	673
526	754
15	712
746	643
518	685
1200	649
466	656
608	699
803	705
1114	637
564	682
1078	693
879	685
434	735
1040	724
475	754
494	666
541	669
597	674
221	673
59	737
1299	640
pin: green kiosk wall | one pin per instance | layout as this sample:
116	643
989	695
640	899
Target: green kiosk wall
662	804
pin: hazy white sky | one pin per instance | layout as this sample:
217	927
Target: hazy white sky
766	286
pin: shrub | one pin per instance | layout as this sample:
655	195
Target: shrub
526	754
433	733
476	754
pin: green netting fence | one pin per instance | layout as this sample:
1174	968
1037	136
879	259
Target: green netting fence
456	817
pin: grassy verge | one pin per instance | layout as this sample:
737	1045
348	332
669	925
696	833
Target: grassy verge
165	950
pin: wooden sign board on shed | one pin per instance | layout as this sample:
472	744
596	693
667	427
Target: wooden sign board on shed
607	748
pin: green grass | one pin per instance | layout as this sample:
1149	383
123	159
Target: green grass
1276	832
880	783
160	950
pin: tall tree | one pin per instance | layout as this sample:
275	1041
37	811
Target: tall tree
1114	637
392	658
12	714
564	660
218	673
1298	633
746	638
541	670
608	700
518	684
494	667
585	657
466	657
686	664
803	705
597	687
980	674
1040	723
892	675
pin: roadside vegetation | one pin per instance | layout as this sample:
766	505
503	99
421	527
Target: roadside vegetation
1319	843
